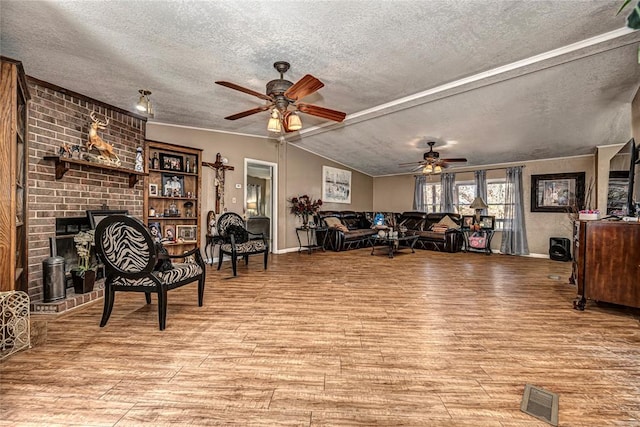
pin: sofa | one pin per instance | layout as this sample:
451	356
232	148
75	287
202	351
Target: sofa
448	239
347	229
351	230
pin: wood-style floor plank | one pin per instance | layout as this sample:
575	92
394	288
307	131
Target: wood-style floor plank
338	339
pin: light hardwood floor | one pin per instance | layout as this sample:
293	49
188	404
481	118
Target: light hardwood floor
427	339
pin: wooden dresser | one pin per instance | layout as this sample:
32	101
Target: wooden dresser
607	256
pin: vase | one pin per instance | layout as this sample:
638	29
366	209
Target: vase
83	281
305	220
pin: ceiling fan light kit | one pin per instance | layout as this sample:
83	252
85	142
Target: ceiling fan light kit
281	94
432	163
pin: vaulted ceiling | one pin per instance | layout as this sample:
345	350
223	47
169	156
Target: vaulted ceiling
492	81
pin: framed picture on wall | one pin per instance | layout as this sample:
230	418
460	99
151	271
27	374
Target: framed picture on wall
336	185
187	232
172	185
169	233
171	163
559	192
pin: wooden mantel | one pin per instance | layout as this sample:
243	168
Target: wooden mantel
62	166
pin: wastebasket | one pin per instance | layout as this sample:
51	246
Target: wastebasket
54	279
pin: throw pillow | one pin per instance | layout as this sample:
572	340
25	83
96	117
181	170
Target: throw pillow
163	264
332	222
439	228
448	222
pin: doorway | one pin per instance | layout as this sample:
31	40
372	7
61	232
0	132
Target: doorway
261	194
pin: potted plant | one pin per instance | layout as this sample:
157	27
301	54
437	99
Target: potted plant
84	275
304	206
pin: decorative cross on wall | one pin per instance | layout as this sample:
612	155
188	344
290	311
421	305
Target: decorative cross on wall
220	167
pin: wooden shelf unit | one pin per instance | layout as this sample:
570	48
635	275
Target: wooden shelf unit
190	182
14	154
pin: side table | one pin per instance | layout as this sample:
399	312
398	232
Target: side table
311	236
484	247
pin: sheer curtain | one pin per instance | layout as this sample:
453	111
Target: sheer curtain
448	192
514	236
481	187
418	194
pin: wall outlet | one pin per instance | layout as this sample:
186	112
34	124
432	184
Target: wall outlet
238	186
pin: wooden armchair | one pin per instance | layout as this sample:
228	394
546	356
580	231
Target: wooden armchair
239	242
133	263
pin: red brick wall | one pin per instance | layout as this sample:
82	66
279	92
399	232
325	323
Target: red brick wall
57	116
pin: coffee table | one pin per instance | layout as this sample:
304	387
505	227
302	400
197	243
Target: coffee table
394	243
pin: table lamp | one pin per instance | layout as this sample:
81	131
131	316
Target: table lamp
478	204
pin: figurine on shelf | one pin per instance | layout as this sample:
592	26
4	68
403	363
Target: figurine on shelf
155	161
138	167
187	168
104	148
65	150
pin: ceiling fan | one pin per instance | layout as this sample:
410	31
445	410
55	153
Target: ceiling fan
432	162
281	94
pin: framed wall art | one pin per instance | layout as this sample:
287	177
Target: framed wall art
336	185
560	192
153	190
171	163
172	185
187	232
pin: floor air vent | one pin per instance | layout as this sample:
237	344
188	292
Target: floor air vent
540	403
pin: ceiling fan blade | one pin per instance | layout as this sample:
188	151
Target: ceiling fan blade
303	87
411	163
455	160
248	112
325	113
245	90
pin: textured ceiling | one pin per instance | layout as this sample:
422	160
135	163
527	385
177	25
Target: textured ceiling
404	71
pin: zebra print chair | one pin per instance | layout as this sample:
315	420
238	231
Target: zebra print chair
129	254
239	242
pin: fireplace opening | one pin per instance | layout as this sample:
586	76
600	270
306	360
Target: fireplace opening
62	244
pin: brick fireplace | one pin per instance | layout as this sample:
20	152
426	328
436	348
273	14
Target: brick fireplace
58	116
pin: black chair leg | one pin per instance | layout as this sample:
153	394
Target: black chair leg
234	264
220	256
200	290
266	258
246	260
147	296
162	307
109	297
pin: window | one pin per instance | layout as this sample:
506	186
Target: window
495	199
431	197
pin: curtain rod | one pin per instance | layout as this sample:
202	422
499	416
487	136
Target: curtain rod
473	170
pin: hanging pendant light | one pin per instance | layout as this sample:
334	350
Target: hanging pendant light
294	122
274	124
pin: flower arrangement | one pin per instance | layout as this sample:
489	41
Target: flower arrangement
84	241
304	206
